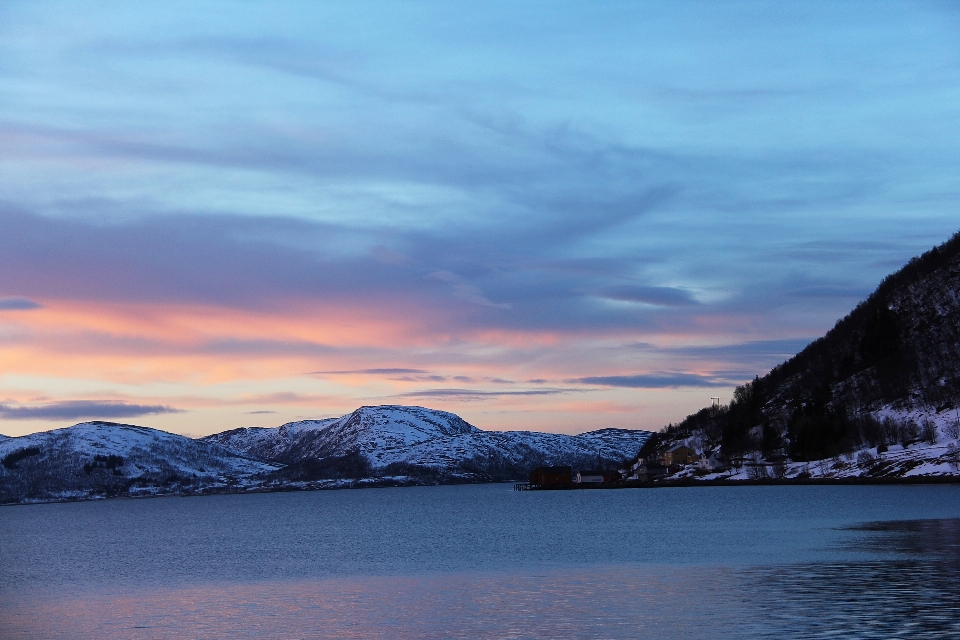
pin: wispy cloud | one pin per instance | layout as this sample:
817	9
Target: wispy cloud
466	291
389	371
660	296
74	409
480	394
655	381
529	201
18	304
783	348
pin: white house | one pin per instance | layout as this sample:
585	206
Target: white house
589	476
711	462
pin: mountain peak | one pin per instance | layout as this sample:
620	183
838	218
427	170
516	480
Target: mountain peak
365	429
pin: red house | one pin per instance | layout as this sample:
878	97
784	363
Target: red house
551	476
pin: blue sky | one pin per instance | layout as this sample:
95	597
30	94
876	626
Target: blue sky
554	215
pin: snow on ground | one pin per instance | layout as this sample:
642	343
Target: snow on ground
922	458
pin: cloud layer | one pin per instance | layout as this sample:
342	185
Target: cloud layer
537	214
72	410
18	304
655	381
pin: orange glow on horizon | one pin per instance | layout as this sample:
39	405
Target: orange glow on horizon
205	358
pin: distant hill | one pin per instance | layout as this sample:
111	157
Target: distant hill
888	374
373	446
402	440
102	459
367	430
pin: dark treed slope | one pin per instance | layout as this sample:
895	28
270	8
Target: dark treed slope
899	348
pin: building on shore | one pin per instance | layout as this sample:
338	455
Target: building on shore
711	462
679	454
589	477
596	476
551	476
638	471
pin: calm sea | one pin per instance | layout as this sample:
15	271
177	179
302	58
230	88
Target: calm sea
485	562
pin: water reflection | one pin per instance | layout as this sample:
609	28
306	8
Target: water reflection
910	594
814	576
913	538
603	602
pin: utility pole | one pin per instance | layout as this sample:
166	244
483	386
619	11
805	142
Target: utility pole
715	402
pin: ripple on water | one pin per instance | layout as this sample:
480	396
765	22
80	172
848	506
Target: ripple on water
884	579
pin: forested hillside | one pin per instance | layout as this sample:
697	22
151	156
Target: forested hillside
896	354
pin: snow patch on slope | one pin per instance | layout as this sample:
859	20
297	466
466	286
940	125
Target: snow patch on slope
365	430
916	459
148	450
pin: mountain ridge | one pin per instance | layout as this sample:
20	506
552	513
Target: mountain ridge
101	459
428	441
366	429
372	446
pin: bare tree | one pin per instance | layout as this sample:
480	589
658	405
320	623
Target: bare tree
953	456
952	430
757	472
779	468
823	467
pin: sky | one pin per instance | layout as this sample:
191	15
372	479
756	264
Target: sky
559	216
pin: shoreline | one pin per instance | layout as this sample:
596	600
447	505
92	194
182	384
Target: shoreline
722	482
659	484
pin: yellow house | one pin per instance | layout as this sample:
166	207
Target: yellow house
679	454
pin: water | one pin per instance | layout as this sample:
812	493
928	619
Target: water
485	562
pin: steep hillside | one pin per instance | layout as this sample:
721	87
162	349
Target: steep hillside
104	459
888	374
899	346
413	440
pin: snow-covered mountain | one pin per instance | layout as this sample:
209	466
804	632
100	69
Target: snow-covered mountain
372	445
94	459
366	430
394	435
